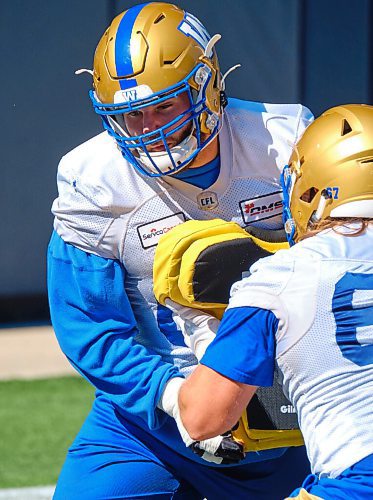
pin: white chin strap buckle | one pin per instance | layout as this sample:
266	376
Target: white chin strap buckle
212	121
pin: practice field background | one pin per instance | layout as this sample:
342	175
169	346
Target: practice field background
38	421
317	52
43	404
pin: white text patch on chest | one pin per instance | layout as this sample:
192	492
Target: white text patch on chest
261	207
150	234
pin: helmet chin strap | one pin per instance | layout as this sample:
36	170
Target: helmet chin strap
162	160
325	199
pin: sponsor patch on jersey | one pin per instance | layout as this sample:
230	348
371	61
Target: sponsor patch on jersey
150	234
261	207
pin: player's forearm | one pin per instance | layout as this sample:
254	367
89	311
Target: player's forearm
211	404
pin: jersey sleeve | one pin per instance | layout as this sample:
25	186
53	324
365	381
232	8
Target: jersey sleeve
95	328
255	320
244	346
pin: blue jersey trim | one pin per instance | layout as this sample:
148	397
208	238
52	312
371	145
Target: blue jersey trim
349	318
244	347
202	177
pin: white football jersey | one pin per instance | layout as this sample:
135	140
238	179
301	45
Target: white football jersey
107	208
321	290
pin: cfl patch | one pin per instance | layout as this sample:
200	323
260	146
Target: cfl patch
261	207
151	233
207	200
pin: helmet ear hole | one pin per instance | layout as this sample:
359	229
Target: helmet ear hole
309	195
160	18
346	127
366	160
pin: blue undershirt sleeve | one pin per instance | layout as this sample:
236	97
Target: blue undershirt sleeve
244	347
95	327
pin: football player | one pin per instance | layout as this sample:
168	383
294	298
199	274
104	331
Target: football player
172	150
309	310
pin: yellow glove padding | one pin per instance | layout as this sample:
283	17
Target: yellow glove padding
195	265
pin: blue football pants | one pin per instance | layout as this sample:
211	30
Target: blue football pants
355	483
108	461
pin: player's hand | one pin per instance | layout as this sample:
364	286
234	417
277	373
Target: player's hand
219	450
198	327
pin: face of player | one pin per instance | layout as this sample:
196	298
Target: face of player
151	118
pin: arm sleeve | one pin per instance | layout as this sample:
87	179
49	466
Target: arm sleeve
244	347
95	327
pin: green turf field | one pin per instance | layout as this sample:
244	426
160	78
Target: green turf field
38	421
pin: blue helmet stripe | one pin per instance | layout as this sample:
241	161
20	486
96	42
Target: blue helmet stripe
123	48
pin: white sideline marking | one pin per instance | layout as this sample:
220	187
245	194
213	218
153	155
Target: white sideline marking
37	493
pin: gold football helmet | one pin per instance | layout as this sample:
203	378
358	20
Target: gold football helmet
151	53
330	172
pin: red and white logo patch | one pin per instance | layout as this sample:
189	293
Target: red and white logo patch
261	207
151	233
